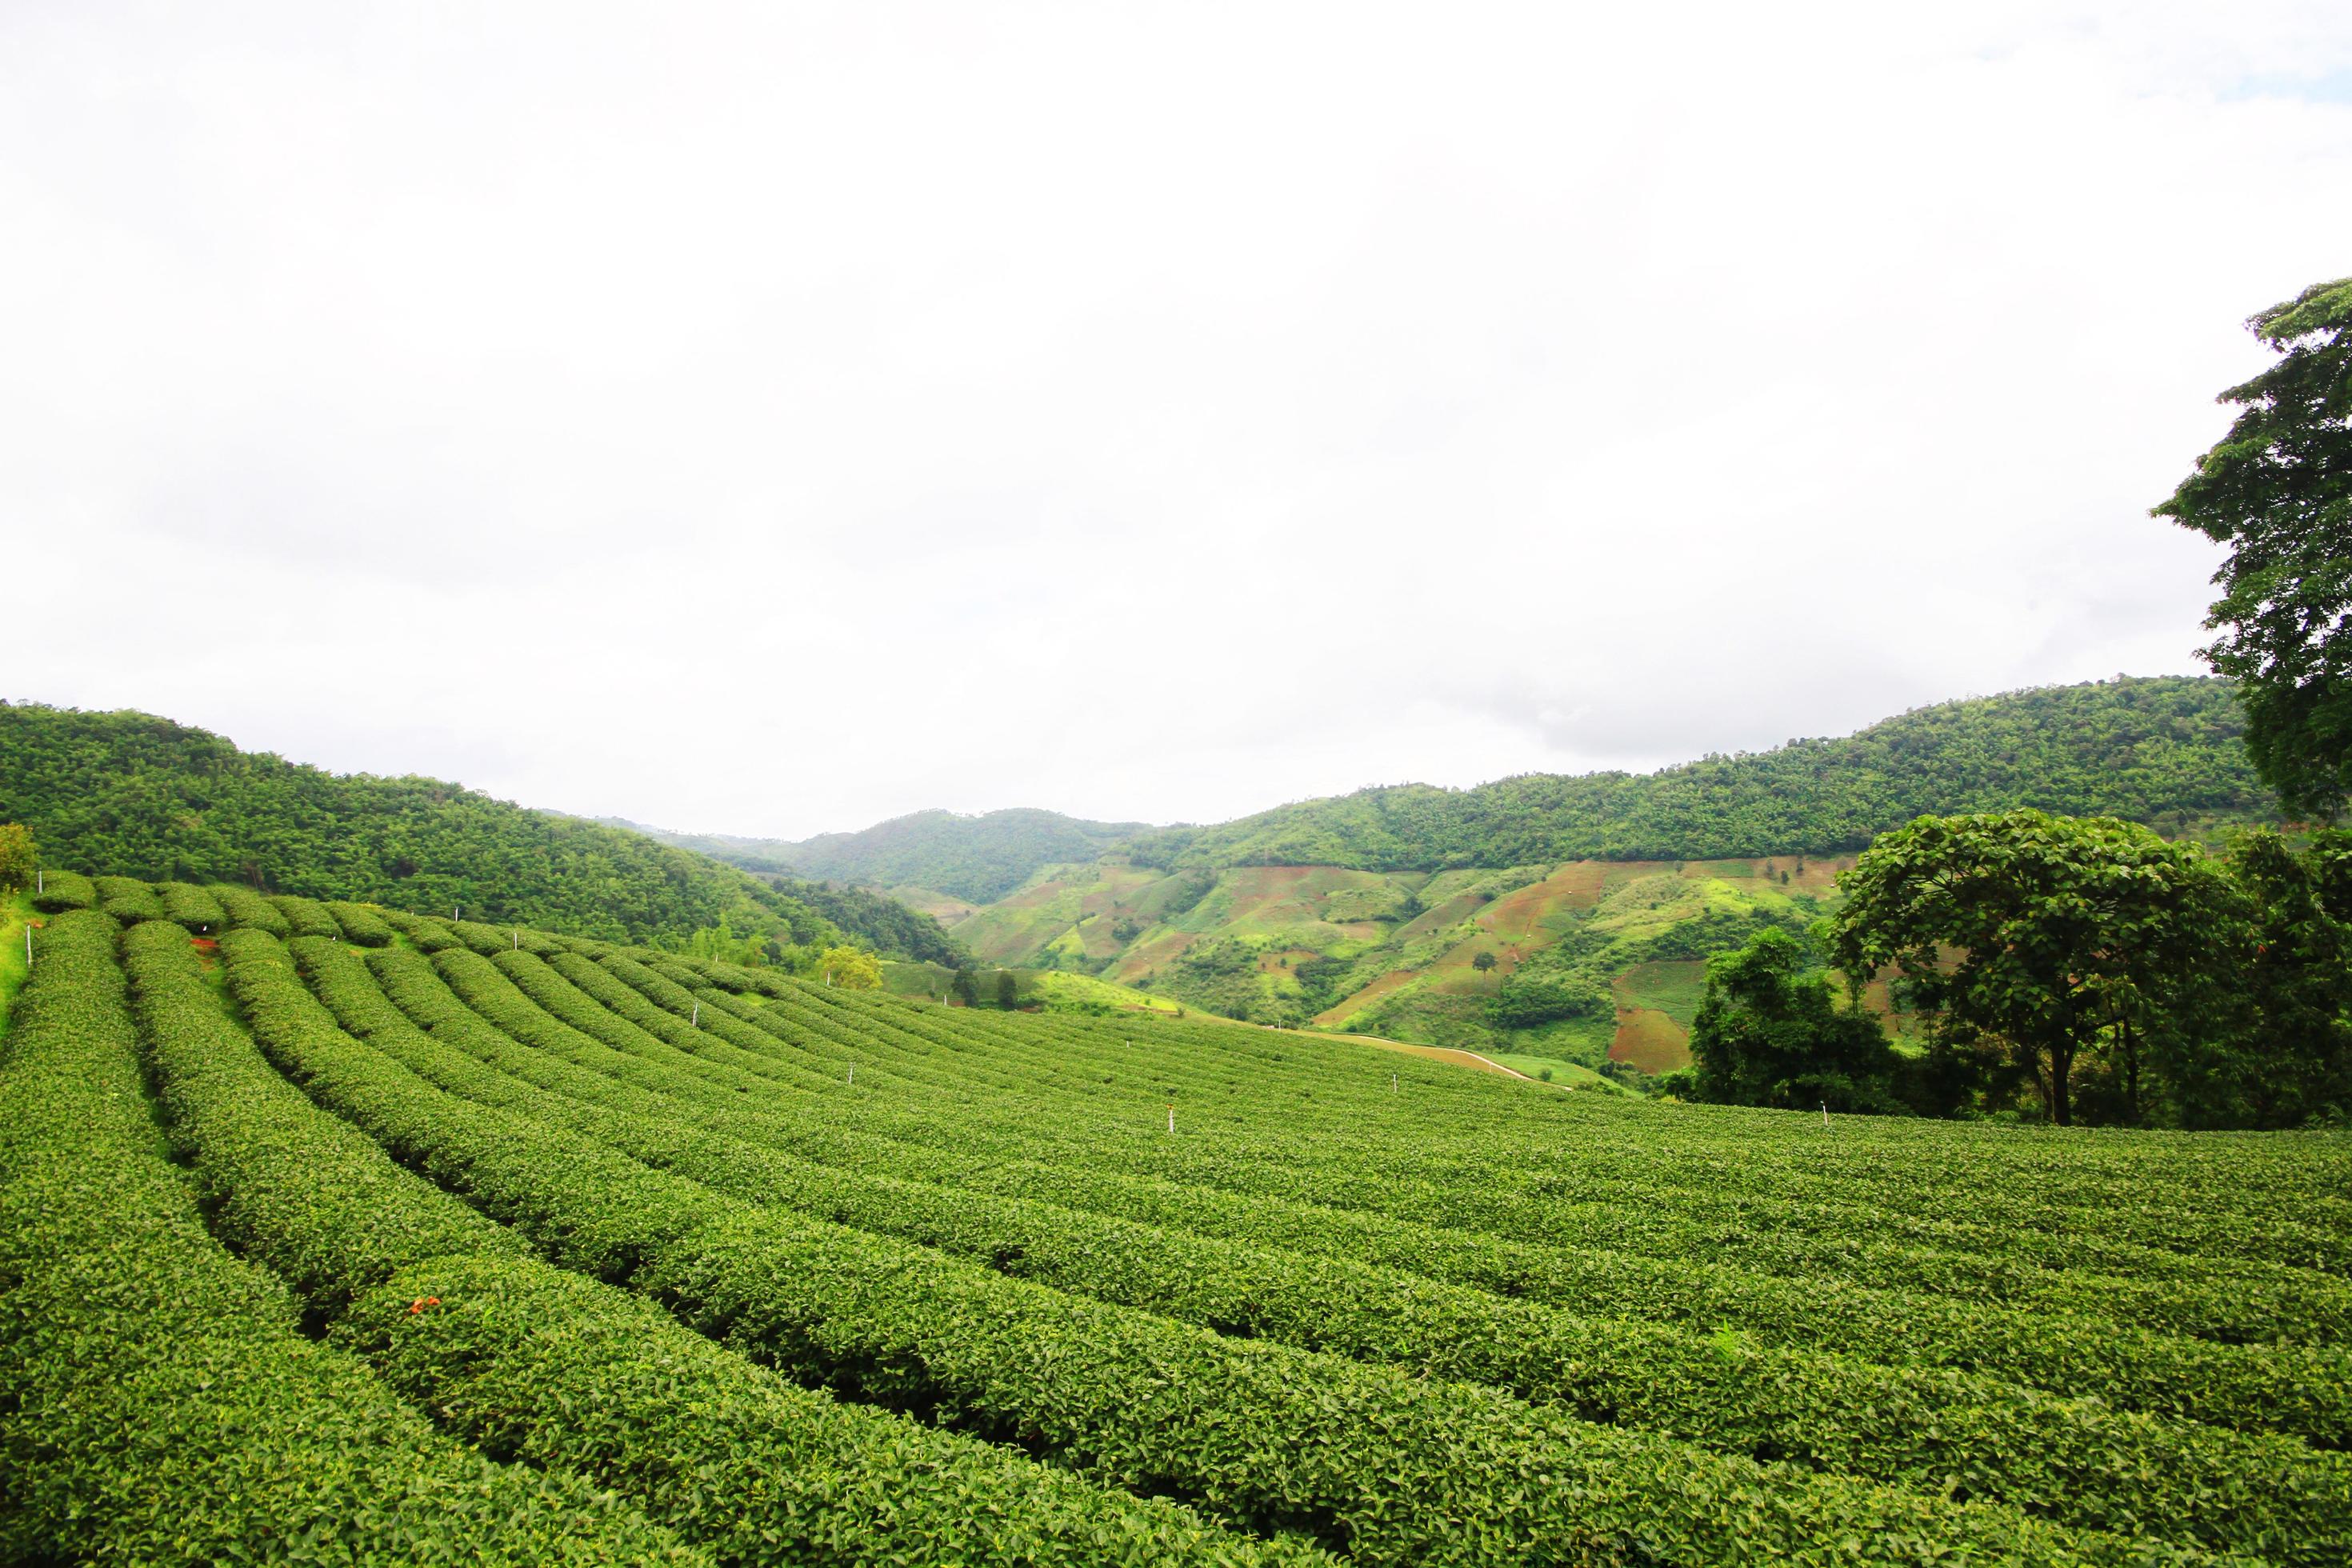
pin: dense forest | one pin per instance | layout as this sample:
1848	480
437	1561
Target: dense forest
889	925
979	858
2166	751
138	795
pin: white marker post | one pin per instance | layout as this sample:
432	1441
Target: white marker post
1392	1084
28	946
696	1023
1825	1113
853	1073
1172	1117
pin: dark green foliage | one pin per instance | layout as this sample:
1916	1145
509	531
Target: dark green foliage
2045	940
966	986
1528	1001
1008	989
2277	489
1771	1033
138	795
2281	1055
979	858
157	1402
890	926
62	890
1219	976
2163	751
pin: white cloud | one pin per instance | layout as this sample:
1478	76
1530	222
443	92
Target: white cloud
777	418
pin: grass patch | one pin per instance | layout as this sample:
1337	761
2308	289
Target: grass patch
1553	1070
13	915
1672	986
1065	993
1650	1040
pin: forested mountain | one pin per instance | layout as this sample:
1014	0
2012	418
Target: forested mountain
2165	752
979	858
134	795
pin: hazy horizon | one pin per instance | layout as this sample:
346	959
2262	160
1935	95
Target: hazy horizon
779	419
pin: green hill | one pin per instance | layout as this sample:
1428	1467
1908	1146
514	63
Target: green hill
2165	752
1569	918
979	858
133	794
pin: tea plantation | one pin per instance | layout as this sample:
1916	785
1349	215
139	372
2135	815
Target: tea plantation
330	1234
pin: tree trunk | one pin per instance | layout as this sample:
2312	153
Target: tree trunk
2062	1071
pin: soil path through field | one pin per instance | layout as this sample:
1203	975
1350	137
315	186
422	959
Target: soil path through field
1435	1052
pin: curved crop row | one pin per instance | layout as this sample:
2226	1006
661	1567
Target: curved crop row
313	1199
362	925
306	917
761	1470
2186	1271
247	910
128	899
1400	1469
2081	1463
2300	1390
193	907
158	1405
58	892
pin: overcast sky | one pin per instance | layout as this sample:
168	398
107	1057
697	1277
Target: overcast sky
772	419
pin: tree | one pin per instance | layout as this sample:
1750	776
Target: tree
2277	489
2045	938
967	987
20	861
1008	989
1771	1033
1483	962
2288	1061
852	970
1526	1001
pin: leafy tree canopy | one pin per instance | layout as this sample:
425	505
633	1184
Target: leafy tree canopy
2043	937
852	969
2287	1060
1770	1033
19	859
2277	489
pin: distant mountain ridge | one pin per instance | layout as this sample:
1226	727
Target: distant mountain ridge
979	857
2164	750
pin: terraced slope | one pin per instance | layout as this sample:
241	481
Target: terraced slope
699	1263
